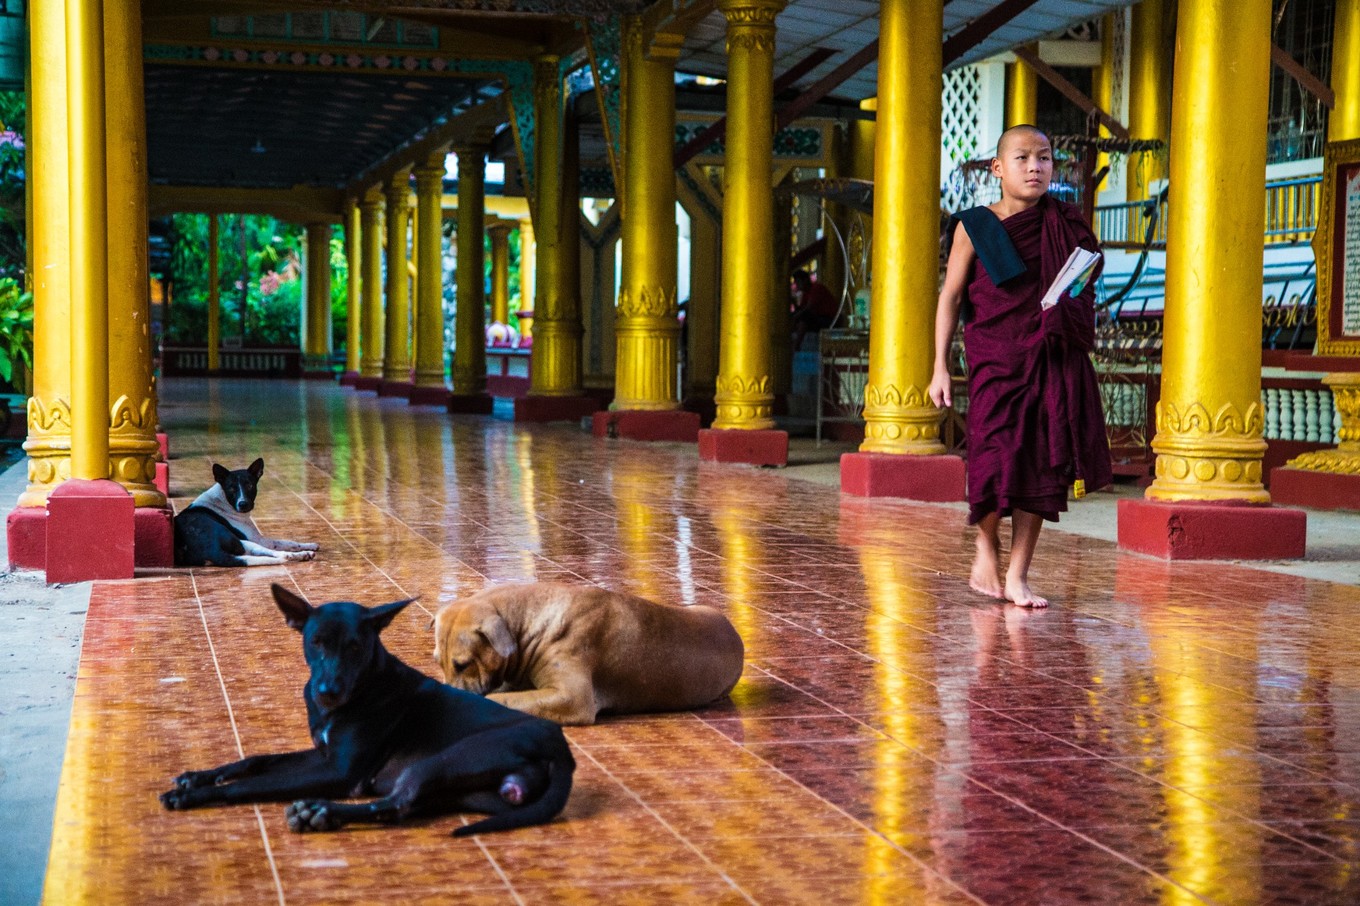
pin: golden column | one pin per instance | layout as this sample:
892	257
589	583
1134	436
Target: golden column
1344	121
214	294
1149	90
430	275
396	368
555	368
1209	440
469	342
648	329
316	350
500	271
899	417
745	399
354	270
528	274
1022	93
370	237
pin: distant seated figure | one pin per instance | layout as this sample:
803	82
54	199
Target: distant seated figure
815	308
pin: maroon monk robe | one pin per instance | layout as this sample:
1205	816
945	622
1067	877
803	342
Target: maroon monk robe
1034	416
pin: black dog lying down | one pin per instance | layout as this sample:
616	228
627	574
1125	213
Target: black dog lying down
382	728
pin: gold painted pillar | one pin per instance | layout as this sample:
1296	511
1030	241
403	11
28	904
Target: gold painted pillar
528	278
131	416
430	272
469	344
1344	120
899	417
396	366
1150	87
648	329
555	367
745	397
1209	440
568	309
214	293
370	237
1103	86
354	261
1022	93
316	350
500	271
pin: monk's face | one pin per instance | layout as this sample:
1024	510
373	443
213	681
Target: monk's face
1024	164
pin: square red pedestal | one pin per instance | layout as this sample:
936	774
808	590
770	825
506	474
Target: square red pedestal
152	527
1319	490
1200	530
937	479
757	448
429	396
348	378
162	479
89	531
471	403
163	445
396	388
367	383
642	424
555	408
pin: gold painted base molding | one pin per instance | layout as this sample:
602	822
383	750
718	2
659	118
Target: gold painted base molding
1345	459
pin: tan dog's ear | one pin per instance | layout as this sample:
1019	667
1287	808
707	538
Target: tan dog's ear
494	630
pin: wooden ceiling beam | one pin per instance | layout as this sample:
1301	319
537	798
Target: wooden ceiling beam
1072	92
301	204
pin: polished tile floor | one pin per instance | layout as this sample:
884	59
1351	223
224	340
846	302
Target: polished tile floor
1163	734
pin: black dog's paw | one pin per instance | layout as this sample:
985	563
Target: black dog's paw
308	815
177	799
192	780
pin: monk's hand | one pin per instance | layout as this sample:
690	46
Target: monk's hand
941	390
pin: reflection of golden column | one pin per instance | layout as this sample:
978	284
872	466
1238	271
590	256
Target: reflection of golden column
317	344
500	271
1149	89
354	273
647	327
430	281
1209	440
214	294
396	368
1022	93
555	368
469	343
744	398
371	341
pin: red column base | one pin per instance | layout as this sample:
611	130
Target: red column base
318	374
1203	530
348	378
152	527
163	444
758	448
367	383
555	408
429	396
644	424
471	403
89	531
396	388
162	479
936	479
1319	490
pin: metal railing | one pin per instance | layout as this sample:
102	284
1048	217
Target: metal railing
1291	216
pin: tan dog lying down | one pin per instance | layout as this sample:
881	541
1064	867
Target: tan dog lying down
568	652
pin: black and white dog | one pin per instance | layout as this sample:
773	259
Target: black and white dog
216	529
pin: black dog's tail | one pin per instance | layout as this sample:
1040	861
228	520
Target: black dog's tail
541	810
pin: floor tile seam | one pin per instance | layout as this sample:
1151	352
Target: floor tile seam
1077	832
719	872
236	735
507	884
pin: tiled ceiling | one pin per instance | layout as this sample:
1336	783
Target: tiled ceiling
847	26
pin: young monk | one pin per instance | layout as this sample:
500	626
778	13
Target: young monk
1034	418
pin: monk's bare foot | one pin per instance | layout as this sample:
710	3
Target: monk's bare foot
986	576
1019	593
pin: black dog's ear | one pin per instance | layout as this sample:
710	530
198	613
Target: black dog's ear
295	608
257	468
220	474
382	615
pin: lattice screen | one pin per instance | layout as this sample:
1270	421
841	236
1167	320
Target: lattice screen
959	126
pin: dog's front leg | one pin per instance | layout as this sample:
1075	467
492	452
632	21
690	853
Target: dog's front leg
573	707
280	544
257	549
263	778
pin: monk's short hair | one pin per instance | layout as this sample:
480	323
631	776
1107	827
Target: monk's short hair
1018	129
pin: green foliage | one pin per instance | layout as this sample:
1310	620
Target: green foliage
339	291
16	328
13	118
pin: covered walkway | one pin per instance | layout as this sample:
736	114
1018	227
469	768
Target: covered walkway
1165	732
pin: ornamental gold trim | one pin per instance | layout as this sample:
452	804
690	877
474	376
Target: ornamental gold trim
751	41
1196	421
1336	462
648	302
890	396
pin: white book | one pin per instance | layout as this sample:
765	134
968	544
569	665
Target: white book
1072	277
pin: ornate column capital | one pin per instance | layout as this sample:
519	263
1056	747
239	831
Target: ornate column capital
756	13
429	178
398	190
